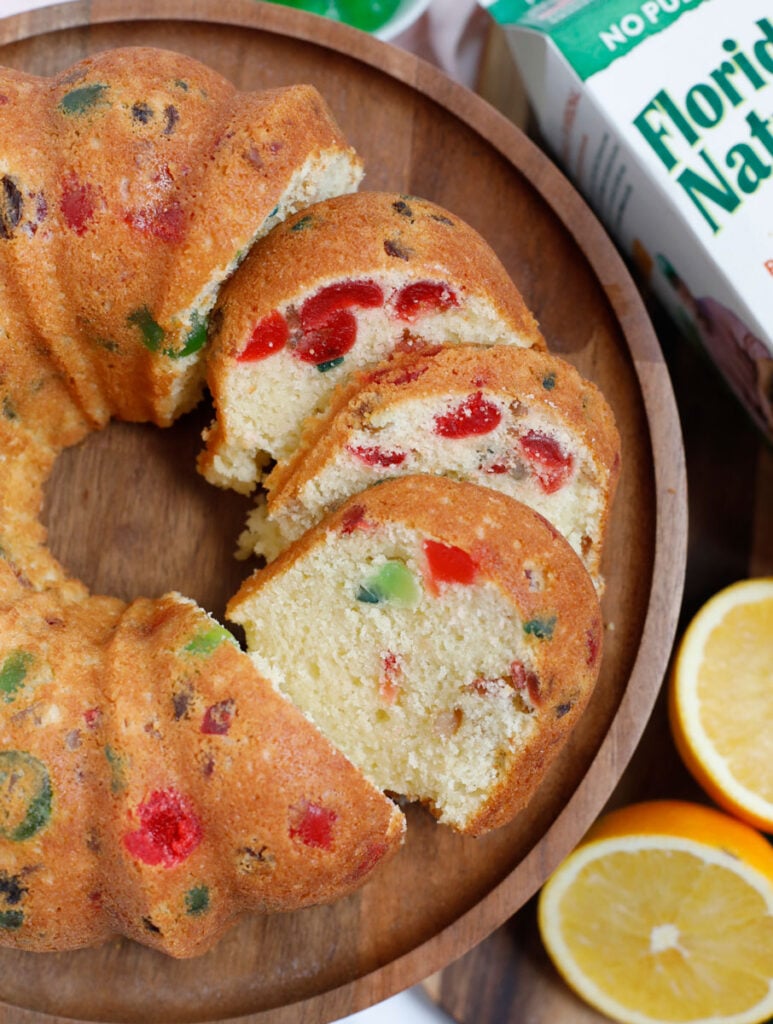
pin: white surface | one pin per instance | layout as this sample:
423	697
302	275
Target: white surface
406	14
411	1007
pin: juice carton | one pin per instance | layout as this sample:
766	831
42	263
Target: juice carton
661	112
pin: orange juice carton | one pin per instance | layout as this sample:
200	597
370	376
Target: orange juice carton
661	112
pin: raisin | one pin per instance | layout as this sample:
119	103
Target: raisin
11	204
472	417
171	117
394	248
142	113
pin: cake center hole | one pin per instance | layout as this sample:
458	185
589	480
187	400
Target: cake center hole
128	514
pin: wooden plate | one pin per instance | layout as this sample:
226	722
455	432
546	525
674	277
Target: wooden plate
127	512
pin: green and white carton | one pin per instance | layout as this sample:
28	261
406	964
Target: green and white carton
661	112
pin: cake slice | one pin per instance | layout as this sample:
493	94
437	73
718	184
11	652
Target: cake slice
444	636
521	421
153	784
133	184
342	285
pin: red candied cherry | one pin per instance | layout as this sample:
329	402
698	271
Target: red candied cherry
474	416
390	678
268	336
165	222
317	310
78	203
524	679
328	327
377	456
422	297
551	465
448	564
312	824
353	519
169	829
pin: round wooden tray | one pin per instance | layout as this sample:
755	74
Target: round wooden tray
127	512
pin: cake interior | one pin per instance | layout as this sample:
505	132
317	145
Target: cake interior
420	683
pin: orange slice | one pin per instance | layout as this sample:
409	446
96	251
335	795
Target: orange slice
721	700
664	914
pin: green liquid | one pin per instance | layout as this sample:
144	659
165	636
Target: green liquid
367	15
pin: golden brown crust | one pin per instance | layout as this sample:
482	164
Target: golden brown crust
357	235
161	169
152	706
531	564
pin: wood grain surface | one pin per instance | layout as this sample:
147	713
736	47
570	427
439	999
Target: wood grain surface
126	511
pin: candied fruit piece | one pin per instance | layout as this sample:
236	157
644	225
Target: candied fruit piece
449	564
78	203
312	824
472	417
78	101
268	336
218	718
169	829
11	205
393	583
522	678
206	641
353	519
422	297
25	795
166	222
317	310
551	465
390	678
13	673
377	456
197	900
328	342
541	627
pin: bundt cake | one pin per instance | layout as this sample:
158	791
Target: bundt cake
133	184
341	285
153	784
155	780
519	420
463	640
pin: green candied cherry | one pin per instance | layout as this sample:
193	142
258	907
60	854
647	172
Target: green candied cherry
13	673
392	583
208	640
197	900
25	795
